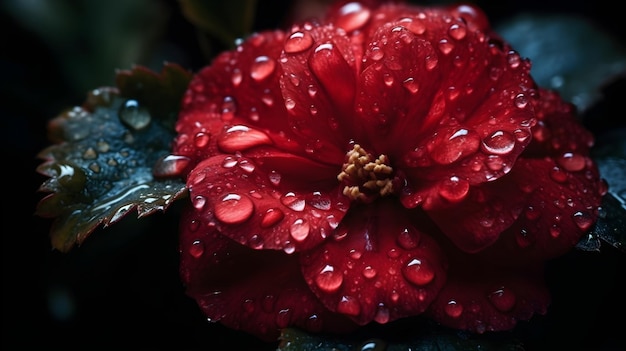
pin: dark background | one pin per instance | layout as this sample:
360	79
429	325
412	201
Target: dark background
121	288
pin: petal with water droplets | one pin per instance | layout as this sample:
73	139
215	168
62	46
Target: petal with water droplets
255	207
378	266
259	292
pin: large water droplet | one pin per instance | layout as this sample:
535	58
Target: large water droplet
329	279
234	208
262	68
411	85
454	189
499	143
445	46
572	162
352	16
299	229
382	314
199	202
293	201
457	31
418	272
369	272
298	42
583	220
134	115
240	138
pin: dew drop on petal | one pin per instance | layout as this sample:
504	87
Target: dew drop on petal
558	175
328	279
503	299
411	85
234	208
352	16
521	101
523	239
453	309
229	109
431	62
445	46
499	143
382	314
292	201
283	318
454	189
583	220
199	202
572	162
262	67
240	138
196	249
271	217
248	306
457	31
349	305
408	239
299	229
369	272
418	272
298	42
229	162
555	231
236	77
201	140
256	242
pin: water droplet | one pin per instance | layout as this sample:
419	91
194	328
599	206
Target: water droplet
572	162
523	239
234	208
457	31
299	229
348	305
454	189
283	318
373	345
292	201
229	162
170	166
298	42
555	231
521	101
134	115
271	217
382	314
499	143
416	26
431	62
240	138
411	85
228	109
201	140
558	175
502	299
246	165
328	279
418	272
369	272
199	202
352	16
320	201
256	242
453	309
248	306
196	249
445	46
376	53
409	238
532	213
583	220
262	68
236	77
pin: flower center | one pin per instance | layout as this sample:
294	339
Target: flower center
366	177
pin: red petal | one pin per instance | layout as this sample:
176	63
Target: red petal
482	298
255	207
561	208
378	266
259	292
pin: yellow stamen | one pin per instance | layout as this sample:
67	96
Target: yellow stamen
366	177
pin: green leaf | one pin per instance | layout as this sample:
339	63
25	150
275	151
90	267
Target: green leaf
568	54
101	165
419	338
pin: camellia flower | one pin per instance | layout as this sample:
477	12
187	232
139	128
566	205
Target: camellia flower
386	161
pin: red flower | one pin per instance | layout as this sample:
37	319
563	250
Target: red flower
386	161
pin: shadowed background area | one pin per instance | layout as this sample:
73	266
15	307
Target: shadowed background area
121	288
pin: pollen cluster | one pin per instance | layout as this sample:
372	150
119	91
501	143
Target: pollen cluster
365	176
